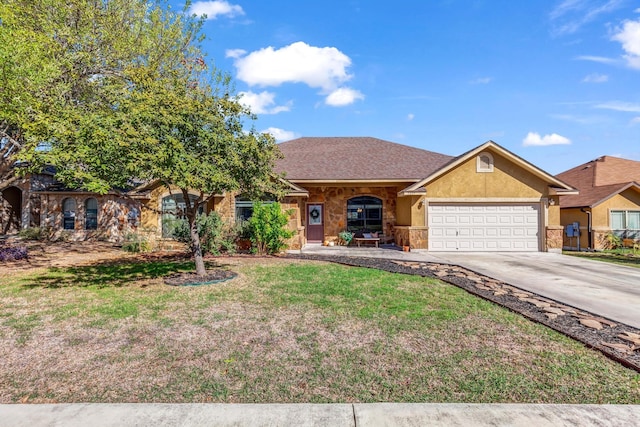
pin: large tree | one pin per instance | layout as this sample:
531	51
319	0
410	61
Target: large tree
110	90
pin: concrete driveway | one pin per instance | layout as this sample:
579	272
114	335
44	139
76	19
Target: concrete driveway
605	289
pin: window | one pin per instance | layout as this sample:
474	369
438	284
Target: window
91	214
364	213
69	214
626	224
244	207
174	211
484	163
134	217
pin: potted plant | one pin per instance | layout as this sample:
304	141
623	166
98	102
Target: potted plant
345	237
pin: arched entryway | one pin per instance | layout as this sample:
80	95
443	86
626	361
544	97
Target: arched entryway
364	213
11	210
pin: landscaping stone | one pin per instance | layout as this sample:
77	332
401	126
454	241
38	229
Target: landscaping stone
591	323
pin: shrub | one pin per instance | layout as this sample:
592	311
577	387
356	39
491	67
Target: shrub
34	233
215	236
13	253
612	241
136	243
268	228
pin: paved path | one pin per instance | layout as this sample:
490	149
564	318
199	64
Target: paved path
605	289
301	415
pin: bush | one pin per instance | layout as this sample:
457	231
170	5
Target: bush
215	236
34	233
136	243
612	241
267	228
13	253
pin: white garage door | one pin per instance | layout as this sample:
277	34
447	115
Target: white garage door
484	228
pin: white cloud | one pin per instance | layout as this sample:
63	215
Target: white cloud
234	53
628	107
343	96
629	36
481	81
216	8
411	116
570	15
635	121
263	102
534	139
600	59
281	134
318	67
595	78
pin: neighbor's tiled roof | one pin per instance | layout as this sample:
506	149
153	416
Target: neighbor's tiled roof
355	158
598	179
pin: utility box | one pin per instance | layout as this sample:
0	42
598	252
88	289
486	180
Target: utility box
573	230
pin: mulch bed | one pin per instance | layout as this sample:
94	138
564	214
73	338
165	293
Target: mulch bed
192	279
615	340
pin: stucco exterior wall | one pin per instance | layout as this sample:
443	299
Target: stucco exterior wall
508	180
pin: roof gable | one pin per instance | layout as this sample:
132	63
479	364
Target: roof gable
559	186
355	159
600	179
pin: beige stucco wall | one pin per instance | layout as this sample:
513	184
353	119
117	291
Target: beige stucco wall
508	180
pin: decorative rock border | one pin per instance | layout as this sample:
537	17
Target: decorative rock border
617	341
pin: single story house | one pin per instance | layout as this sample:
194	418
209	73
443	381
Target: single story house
487	199
608	202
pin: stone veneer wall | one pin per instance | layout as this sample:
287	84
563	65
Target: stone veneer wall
554	238
335	205
419	237
113	216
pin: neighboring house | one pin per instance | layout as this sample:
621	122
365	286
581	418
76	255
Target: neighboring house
487	199
608	202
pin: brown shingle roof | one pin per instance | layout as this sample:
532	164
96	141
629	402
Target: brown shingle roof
599	179
355	158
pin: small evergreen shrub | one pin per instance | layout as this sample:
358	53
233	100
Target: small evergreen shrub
215	236
267	228
34	233
136	243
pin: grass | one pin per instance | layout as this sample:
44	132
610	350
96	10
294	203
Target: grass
283	331
628	257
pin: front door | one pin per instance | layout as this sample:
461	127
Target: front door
315	222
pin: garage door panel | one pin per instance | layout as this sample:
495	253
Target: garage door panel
488	227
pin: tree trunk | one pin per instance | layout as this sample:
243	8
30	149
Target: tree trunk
196	248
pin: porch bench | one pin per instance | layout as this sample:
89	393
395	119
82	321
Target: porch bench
360	240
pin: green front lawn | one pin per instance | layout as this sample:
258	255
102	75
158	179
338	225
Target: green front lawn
282	331
628	257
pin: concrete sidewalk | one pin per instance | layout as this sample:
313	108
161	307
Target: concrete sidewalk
301	415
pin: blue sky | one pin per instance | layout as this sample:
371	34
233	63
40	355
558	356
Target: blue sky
555	81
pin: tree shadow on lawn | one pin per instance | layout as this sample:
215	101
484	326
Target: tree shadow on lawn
113	274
